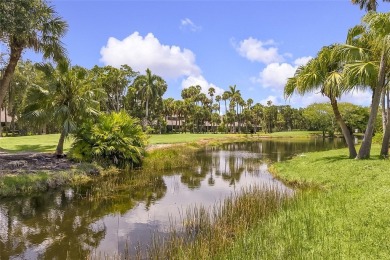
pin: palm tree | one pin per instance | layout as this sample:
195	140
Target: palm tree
368	52
30	25
150	87
68	98
211	92
234	96
179	109
323	73
368	5
169	108
218	99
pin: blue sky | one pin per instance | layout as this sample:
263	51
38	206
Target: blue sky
255	45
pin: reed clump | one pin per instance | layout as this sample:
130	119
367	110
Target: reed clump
175	157
203	232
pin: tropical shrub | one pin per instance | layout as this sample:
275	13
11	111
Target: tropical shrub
113	139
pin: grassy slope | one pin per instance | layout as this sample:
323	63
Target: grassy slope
345	217
48	143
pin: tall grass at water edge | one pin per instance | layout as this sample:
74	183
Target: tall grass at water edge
204	232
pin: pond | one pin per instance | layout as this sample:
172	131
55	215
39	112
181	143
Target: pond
123	213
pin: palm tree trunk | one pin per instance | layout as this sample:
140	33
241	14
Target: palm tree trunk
145	120
180	124
386	130
6	120
13	125
344	129
1	126
16	53
386	138
60	145
238	120
364	152
384	116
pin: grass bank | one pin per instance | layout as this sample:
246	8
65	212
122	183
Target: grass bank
341	211
14	184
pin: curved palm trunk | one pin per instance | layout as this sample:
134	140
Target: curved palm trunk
365	149
347	135
60	145
16	53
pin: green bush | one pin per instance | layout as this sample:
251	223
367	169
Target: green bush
114	139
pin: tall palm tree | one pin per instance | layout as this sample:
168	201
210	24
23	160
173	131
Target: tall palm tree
235	97
371	5
218	99
150	87
323	73
211	92
169	109
179	110
68	98
33	25
367	54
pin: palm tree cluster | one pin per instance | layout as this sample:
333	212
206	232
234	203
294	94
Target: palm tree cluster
360	63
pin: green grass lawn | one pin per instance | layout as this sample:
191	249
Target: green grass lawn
187	138
344	215
32	143
48	143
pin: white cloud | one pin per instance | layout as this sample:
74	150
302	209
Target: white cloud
273	99
256	50
275	75
302	60
362	98
141	53
187	24
201	81
309	98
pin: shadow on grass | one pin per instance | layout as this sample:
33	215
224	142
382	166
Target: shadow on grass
331	159
31	148
337	158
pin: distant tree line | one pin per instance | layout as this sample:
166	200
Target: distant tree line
44	98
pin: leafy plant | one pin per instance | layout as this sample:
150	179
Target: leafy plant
114	139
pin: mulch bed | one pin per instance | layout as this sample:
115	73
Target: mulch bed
32	162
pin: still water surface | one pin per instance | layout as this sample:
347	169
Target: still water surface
116	216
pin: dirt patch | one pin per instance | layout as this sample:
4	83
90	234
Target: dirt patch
32	162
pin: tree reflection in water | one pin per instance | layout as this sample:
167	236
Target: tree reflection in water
62	225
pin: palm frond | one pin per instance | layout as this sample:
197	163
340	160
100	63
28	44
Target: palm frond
361	74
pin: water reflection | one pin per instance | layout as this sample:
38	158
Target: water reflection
112	216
